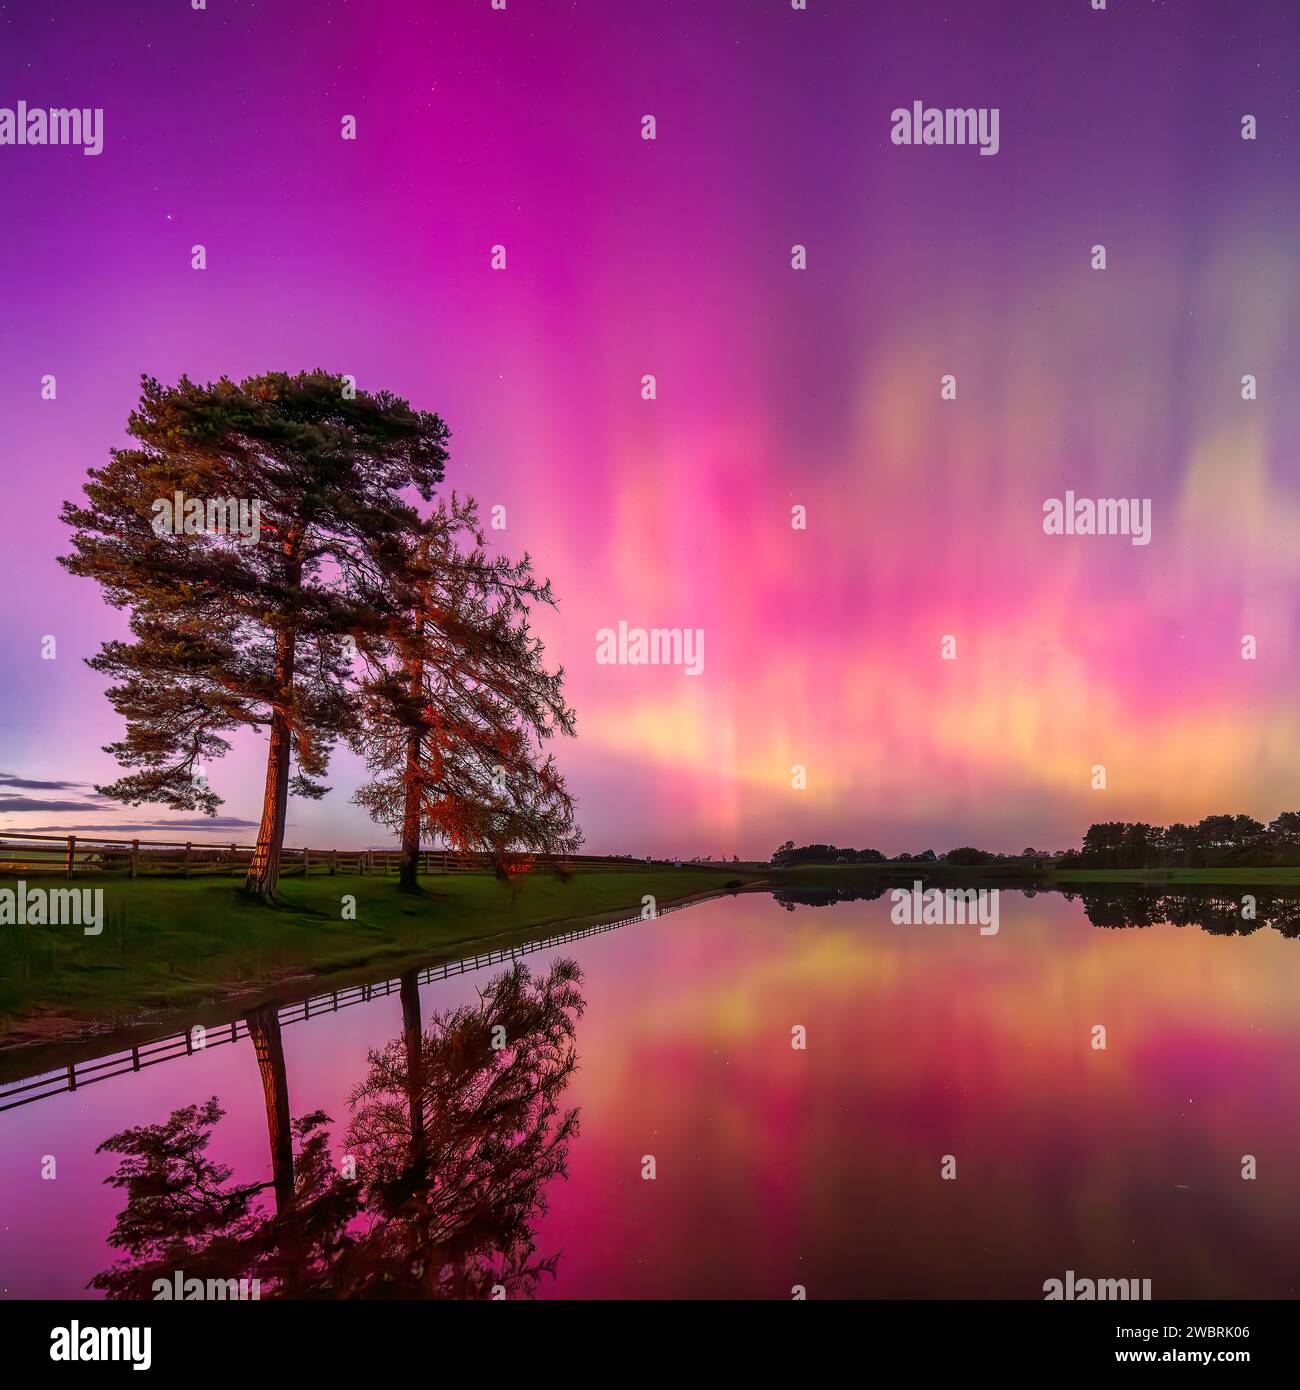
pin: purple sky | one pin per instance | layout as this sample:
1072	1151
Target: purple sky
775	387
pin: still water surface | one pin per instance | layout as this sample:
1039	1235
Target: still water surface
774	1166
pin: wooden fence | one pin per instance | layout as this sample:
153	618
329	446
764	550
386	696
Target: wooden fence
69	855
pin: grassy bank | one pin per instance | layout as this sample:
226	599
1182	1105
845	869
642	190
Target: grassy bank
168	942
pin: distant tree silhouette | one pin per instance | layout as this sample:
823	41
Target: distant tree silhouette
1232	840
967	856
1219	839
1246	831
1181	840
787	855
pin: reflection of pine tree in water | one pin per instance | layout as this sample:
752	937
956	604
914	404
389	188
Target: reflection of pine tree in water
453	1195
456	1132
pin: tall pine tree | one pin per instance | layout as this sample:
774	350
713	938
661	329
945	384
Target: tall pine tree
226	633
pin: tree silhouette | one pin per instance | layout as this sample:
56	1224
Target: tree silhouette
226	634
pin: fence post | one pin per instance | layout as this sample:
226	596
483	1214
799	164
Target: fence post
306	861
72	854
334	861
185	868
234	863
135	855
384	852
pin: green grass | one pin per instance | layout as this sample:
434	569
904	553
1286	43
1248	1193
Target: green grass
174	941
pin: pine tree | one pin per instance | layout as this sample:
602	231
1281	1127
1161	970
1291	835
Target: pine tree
228	632
457	703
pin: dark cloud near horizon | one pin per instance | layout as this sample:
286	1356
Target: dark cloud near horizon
34	803
94	801
197	823
7	779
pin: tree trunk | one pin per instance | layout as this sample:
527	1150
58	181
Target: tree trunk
264	871
407	874
413	1042
264	1031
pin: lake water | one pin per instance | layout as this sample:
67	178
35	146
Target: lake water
777	1166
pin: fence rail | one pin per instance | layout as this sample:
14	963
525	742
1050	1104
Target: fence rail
69	855
76	1076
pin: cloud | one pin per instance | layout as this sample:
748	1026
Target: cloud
7	779
32	803
196	823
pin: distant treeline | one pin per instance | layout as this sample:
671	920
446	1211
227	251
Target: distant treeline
789	854
1215	842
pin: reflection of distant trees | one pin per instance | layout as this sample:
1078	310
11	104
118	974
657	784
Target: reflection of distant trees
456	1131
1212	909
790	898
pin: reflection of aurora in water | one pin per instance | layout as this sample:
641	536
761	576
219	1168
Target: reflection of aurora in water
775	1166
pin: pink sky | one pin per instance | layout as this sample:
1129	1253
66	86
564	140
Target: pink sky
776	387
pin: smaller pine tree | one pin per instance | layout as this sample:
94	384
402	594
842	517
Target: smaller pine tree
457	702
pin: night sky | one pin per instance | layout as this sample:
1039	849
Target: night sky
776	387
